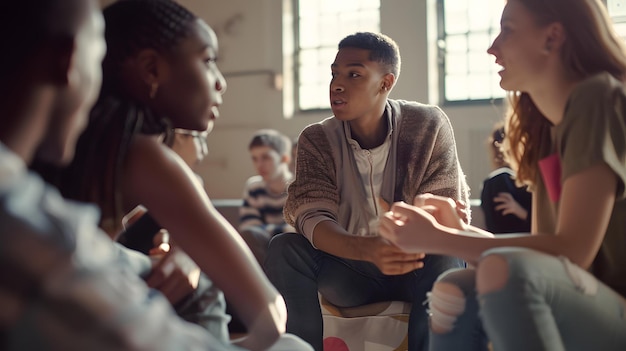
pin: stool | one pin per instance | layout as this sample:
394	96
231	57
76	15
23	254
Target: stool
380	326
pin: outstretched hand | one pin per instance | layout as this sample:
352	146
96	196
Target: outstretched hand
409	227
446	211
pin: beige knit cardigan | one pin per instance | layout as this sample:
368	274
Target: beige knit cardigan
422	159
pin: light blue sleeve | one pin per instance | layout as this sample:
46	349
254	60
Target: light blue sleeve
135	261
64	285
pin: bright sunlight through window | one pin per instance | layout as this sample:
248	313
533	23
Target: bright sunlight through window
320	25
617	11
466	70
467	28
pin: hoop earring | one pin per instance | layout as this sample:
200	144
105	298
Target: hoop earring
154	87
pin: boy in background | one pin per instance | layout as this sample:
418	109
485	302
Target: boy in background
264	195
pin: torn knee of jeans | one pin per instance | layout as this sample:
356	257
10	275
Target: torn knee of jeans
492	274
445	304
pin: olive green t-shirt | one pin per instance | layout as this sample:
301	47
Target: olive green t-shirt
593	130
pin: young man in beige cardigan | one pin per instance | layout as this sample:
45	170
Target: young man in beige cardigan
372	152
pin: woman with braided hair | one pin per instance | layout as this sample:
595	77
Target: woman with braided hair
159	74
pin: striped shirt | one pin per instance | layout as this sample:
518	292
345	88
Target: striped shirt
263	208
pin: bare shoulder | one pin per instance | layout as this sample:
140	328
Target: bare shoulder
148	150
151	167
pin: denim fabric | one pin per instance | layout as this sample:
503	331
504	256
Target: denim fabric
468	334
556	306
548	303
299	271
257	240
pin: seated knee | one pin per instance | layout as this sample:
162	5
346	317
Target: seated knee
280	241
492	274
283	246
446	303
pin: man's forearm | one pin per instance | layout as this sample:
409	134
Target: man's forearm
331	238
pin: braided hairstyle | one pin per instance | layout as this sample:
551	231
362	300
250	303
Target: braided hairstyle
96	172
134	25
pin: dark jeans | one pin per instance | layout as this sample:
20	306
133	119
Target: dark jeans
299	271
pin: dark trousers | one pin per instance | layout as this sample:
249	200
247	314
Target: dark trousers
299	271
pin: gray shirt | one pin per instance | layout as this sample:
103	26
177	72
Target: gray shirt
64	285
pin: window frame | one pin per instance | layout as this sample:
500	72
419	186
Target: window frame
619	18
297	109
441	65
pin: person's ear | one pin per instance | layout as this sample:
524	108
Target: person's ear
555	37
388	81
151	66
285	159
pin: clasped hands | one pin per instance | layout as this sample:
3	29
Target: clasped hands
412	227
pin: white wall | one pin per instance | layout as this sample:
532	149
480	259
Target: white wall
250	35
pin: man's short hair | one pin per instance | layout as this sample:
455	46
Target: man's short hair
26	24
383	49
273	139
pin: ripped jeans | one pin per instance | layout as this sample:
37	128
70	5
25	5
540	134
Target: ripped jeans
548	303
